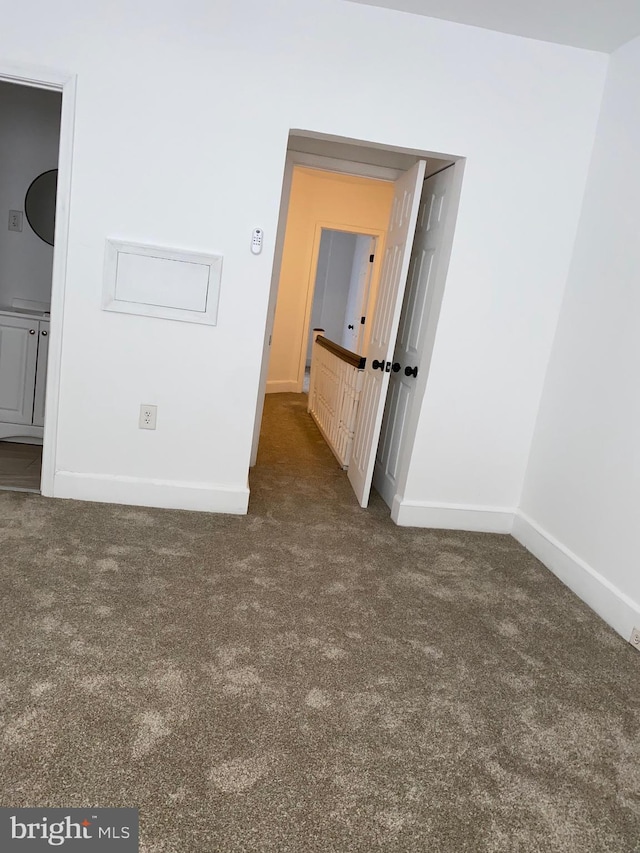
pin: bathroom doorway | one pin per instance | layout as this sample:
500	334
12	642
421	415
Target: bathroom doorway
36	116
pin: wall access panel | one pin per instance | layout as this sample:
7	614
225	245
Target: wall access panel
158	282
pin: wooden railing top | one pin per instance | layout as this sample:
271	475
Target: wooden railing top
351	358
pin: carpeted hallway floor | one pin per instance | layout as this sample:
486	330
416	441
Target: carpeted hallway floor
310	677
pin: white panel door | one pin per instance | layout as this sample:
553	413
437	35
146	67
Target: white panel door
408	353
18	352
359	286
386	315
41	375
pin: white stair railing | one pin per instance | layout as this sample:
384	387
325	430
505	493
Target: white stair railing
334	392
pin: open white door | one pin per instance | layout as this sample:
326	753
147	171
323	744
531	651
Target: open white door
427	270
386	316
358	297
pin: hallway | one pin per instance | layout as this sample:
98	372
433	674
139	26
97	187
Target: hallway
296	468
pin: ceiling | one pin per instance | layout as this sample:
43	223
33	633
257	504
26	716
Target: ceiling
602	25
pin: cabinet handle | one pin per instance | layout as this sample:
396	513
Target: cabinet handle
32	331
44	334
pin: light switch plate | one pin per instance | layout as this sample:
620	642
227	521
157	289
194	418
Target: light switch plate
15	220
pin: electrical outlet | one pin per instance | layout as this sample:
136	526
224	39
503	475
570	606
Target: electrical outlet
15	220
148	415
634	639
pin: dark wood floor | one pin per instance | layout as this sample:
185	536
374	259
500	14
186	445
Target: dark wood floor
20	466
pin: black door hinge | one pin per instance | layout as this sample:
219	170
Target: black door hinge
362	319
371	258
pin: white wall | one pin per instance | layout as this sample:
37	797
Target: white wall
167	137
581	498
335	263
29	140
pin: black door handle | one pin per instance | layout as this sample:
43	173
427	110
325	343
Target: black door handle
396	366
411	371
377	365
350	326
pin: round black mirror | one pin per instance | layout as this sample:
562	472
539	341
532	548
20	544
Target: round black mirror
40	205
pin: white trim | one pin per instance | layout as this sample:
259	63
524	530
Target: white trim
37	76
481	519
345	167
271	307
610	603
46	78
21	433
137	491
282	386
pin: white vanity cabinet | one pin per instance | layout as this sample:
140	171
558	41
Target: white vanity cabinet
24	345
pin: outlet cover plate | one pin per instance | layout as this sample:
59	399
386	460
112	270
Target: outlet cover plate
634	639
148	416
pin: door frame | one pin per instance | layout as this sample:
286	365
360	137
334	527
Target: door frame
65	83
319	227
328	164
331	164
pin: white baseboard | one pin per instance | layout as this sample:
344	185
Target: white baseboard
167	494
480	519
14	439
284	386
21	433
609	602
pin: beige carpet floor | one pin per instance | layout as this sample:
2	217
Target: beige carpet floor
310	677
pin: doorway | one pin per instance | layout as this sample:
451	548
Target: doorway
342	288
36	120
405	176
341	291
320	201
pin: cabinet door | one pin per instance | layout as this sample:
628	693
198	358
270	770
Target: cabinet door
18	354
41	375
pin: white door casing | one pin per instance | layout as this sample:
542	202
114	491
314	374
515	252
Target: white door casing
18	354
416	333
64	82
386	316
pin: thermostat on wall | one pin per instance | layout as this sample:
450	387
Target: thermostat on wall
256	241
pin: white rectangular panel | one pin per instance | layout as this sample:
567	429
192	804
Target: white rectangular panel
162	282
155	281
